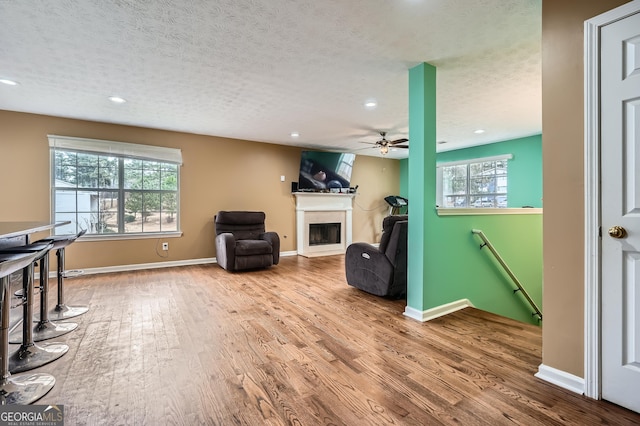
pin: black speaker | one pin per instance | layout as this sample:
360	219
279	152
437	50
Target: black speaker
294	186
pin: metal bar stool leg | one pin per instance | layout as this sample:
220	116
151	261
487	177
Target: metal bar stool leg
22	388
46	329
62	311
30	355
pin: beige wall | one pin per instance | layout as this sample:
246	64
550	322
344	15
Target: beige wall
563	156
213	179
217	174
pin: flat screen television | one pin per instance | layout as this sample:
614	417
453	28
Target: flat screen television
323	171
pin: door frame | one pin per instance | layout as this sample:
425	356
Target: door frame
592	236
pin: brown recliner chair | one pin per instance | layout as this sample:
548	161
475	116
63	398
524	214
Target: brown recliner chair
381	271
242	243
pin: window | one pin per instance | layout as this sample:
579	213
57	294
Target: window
478	183
345	165
114	188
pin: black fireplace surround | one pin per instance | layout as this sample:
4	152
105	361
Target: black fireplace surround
324	233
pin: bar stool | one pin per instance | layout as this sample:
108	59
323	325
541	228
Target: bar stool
44	329
22	388
30	355
62	311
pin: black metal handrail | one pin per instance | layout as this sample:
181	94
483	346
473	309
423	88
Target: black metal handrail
504	265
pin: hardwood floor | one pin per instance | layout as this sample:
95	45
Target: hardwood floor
295	345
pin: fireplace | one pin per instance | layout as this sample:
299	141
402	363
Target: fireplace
323	223
324	233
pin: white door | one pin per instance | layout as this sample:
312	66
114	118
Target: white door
620	197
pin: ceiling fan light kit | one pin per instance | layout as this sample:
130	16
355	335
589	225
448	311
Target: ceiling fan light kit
384	143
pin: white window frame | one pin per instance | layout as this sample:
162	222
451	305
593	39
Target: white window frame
122	151
440	179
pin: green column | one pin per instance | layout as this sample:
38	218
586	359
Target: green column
422	180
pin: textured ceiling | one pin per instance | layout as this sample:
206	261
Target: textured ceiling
260	69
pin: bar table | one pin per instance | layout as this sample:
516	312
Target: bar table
29	355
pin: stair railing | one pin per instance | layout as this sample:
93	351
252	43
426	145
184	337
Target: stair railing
504	265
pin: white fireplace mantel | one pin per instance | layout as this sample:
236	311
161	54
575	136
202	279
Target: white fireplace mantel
321	207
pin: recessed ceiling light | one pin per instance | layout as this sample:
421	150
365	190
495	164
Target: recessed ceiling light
8	82
371	103
479	131
295	134
117	99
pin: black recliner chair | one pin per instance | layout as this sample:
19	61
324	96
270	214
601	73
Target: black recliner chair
381	271
242	243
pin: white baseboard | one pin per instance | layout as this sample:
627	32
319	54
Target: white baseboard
438	311
154	265
413	313
560	378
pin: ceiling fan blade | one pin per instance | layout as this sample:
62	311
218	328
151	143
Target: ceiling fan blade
368	143
403	140
401	146
363	148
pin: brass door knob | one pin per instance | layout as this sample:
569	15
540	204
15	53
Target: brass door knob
617	232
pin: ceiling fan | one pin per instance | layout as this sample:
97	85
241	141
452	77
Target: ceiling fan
385	143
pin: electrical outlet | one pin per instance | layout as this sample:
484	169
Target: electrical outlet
165	246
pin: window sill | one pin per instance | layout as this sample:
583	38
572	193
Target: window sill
114	237
485	211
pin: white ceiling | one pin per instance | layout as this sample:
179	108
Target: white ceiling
260	69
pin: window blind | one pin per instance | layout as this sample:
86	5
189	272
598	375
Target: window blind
476	160
122	149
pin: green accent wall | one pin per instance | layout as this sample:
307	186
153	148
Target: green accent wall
446	263
467	272
524	178
525	169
